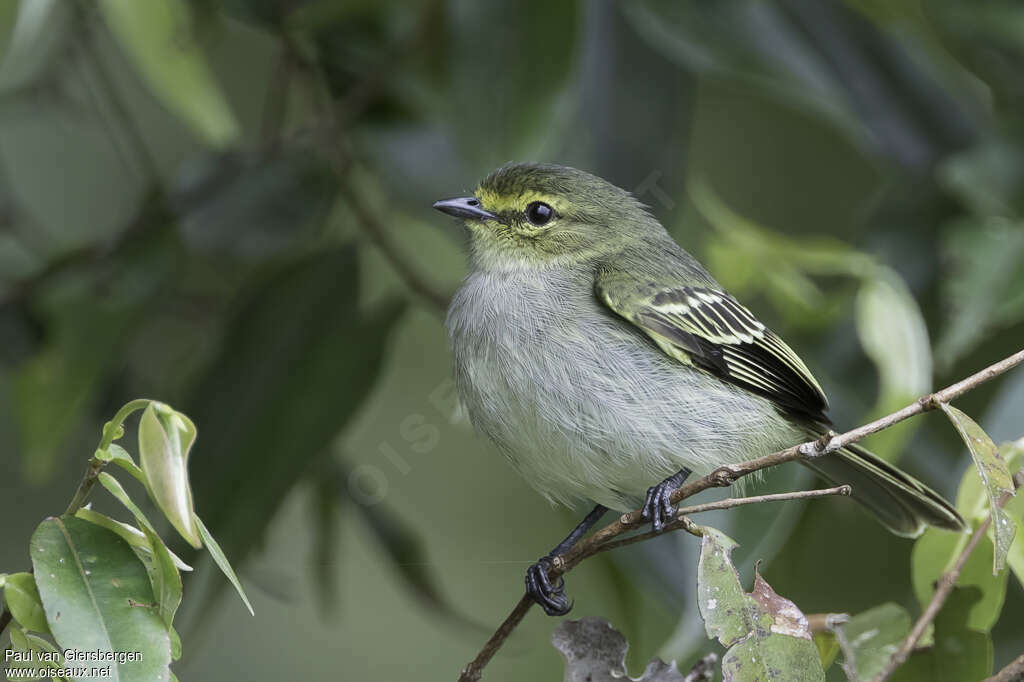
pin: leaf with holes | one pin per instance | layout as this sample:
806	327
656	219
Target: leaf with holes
98	597
767	635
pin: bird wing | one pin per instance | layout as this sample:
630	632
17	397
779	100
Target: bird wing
709	329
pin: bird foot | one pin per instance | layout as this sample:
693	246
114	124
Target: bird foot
658	507
550	595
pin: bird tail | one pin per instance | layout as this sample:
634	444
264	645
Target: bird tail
899	501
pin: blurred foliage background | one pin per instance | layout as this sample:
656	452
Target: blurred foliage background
224	205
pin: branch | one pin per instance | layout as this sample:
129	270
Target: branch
333	119
682	522
112	430
1014	672
943	588
725	476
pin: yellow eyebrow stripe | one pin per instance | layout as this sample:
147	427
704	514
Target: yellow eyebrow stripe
502	203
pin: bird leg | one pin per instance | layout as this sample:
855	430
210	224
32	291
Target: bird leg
551	596
658	508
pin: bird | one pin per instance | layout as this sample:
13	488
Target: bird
607	364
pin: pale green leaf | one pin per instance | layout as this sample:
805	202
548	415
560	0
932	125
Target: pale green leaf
222	562
165	580
764	633
27	658
873	637
828	648
115	488
46	652
98	597
165	438
1012	453
960	652
936	551
159	37
995	475
129	533
893	334
22	599
121	458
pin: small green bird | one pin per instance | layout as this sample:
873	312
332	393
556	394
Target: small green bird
607	364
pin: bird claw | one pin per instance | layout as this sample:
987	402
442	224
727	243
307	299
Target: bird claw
550	595
658	507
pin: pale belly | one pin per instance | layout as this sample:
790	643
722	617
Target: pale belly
584	406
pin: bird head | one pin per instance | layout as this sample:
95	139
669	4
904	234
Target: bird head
529	215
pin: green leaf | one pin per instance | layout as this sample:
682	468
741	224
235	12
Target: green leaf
175	646
159	38
23	600
121	458
129	533
165	438
46	652
114	487
159	561
972	496
30	657
994	474
1013	453
892	331
828	648
222	562
936	551
874	636
764	633
165	580
960	652
98	597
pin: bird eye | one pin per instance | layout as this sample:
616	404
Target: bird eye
539	213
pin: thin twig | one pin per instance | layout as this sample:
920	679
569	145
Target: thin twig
682	522
367	217
111	432
473	671
944	587
727	475
1013	672
332	120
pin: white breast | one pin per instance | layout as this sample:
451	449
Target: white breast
583	405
